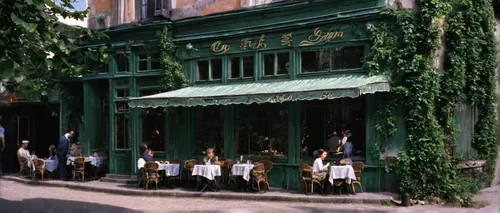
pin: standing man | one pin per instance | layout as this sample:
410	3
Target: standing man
62	153
2	146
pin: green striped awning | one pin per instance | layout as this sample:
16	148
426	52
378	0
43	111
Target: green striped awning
276	91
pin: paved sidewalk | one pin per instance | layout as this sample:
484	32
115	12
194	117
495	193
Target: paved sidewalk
273	195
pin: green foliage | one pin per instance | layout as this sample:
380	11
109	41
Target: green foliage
403	48
174	77
34	45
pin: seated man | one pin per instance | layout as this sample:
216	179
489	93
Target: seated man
146	153
23	155
210	159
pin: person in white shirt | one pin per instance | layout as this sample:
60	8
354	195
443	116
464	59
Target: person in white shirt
24	154
320	170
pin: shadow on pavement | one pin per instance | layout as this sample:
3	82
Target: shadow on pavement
41	205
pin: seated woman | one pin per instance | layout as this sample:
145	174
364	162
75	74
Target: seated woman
319	170
52	152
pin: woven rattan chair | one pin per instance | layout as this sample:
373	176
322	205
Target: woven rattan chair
189	166
229	165
268	166
79	168
39	168
306	173
23	165
151	171
258	174
142	178
305	176
358	167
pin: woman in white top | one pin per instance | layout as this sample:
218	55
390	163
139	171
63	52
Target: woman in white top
320	170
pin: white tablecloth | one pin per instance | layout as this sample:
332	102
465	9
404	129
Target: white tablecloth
207	171
50	165
170	169
242	170
94	161
342	172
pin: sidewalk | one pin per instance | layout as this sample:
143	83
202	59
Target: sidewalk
273	195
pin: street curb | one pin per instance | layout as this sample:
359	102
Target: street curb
212	195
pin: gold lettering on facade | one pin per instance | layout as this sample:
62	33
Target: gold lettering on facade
219	48
286	40
247	43
279	98
320	37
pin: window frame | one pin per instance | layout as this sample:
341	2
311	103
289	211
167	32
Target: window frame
240	57
149	62
275	66
127	64
210	74
330	48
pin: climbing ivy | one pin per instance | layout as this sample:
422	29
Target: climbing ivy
404	48
174	77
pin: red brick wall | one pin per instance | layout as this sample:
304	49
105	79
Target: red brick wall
221	6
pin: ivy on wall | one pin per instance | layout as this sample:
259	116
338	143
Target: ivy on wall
174	77
404	48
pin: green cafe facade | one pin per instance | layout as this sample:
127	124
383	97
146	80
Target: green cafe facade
268	83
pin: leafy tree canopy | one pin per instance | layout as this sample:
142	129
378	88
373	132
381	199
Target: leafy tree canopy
36	50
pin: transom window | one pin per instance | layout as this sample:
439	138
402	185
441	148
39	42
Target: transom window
209	70
276	64
149	62
332	59
241	67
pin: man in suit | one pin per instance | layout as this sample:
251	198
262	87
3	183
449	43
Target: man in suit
62	153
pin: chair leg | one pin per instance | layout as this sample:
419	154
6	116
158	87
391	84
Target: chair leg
42	175
156	185
312	187
147	184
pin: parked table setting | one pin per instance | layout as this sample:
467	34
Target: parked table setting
170	169
242	170
210	172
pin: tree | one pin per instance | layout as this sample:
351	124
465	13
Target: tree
36	50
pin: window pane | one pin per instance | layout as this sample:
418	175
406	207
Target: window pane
122	93
153	128
337	59
321	119
353	57
269	64
121	107
248	66
216	68
122	131
209	131
283	65
262	129
314	61
121	62
235	67
143	62
155	61
203	70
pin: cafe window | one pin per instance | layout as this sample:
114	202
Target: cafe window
332	59
122	93
242	67
122	131
149	62
209	131
276	64
320	119
121	107
209	70
121	62
152	128
262	130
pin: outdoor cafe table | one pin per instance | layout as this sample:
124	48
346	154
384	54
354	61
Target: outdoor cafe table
345	172
242	170
207	171
170	169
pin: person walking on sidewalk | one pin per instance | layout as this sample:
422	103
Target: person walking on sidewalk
62	153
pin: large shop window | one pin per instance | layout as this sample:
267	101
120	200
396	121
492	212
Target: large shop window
332	59
209	70
209	131
121	62
149	62
319	119
152	128
276	64
241	67
262	130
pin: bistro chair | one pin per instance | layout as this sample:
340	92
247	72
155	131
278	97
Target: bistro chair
228	164
39	168
268	165
23	165
151	171
307	175
142	177
358	167
258	174
79	168
189	166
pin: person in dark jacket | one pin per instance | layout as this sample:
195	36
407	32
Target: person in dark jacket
145	153
62	153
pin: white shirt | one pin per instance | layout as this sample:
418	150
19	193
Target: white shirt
25	154
344	140
140	163
318	166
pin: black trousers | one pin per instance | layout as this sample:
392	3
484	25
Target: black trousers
63	174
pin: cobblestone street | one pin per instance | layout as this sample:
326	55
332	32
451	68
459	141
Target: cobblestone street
20	198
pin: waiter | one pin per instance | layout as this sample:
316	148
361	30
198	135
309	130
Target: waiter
62	152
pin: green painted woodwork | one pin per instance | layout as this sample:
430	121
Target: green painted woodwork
112	160
293	132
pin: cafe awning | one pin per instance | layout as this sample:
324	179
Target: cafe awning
275	91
